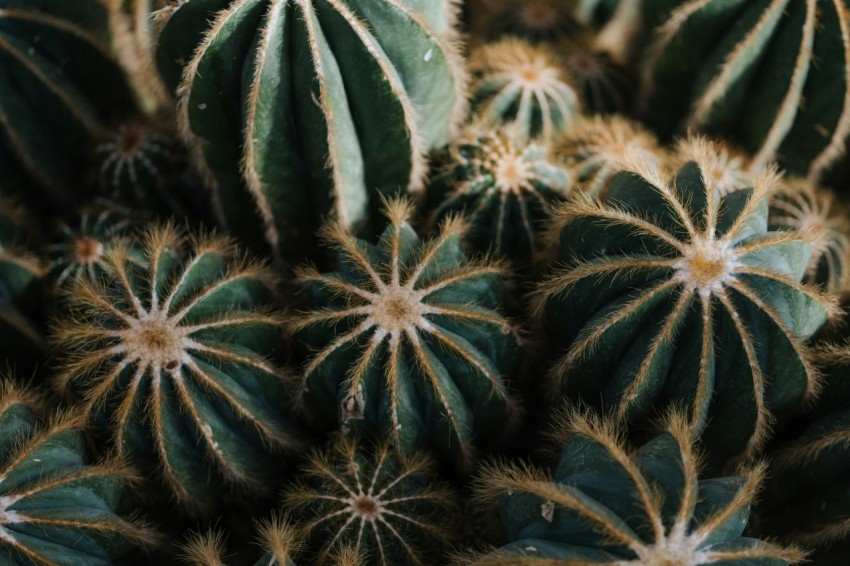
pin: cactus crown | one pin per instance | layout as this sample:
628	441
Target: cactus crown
132	159
723	167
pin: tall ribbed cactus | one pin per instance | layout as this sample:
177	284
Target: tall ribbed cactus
772	74
59	90
609	504
171	358
327	106
671	295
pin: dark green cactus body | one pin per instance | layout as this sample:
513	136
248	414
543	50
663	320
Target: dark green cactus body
408	340
59	90
608	504
58	509
506	189
784	65
338	101
172	360
672	295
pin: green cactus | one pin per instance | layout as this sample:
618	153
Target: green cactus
609	504
534	20
58	508
391	509
602	83
506	188
408	340
172	361
516	82
670	294
338	102
814	211
727	165
59	91
782	64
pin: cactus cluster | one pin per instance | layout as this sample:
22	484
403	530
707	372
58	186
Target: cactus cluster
424	282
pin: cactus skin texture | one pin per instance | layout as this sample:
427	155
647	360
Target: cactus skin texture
407	339
59	91
784	64
327	94
814	211
506	188
672	295
171	360
609	504
516	82
374	503
58	508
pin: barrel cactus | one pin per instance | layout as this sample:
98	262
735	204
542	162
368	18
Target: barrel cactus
728	166
783	64
172	358
59	91
814	211
505	186
601	82
338	103
407	339
670	294
609	504
58	507
514	81
373	502
534	20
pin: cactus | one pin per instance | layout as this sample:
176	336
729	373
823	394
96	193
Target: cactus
59	90
535	20
607	503
784	65
330	97
172	361
58	508
673	295
516	82
602	83
505	186
408	340
391	509
598	148
727	165
813	211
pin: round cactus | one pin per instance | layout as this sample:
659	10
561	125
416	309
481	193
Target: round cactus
609	504
171	359
813	211
728	166
598	148
602	83
377	504
516	82
321	112
784	65
506	188
535	20
673	295
58	508
408	340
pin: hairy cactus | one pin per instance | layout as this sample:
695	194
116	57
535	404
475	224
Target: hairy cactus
377	504
59	90
728	166
170	359
603	84
784	65
535	20
598	148
505	186
813	211
58	508
408	340
607	503
328	106
673	295
516	82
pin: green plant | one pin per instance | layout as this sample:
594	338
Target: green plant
535	20
329	97
728	166
389	508
670	294
602	83
58	508
407	339
785	65
514	81
609	504
172	360
504	186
